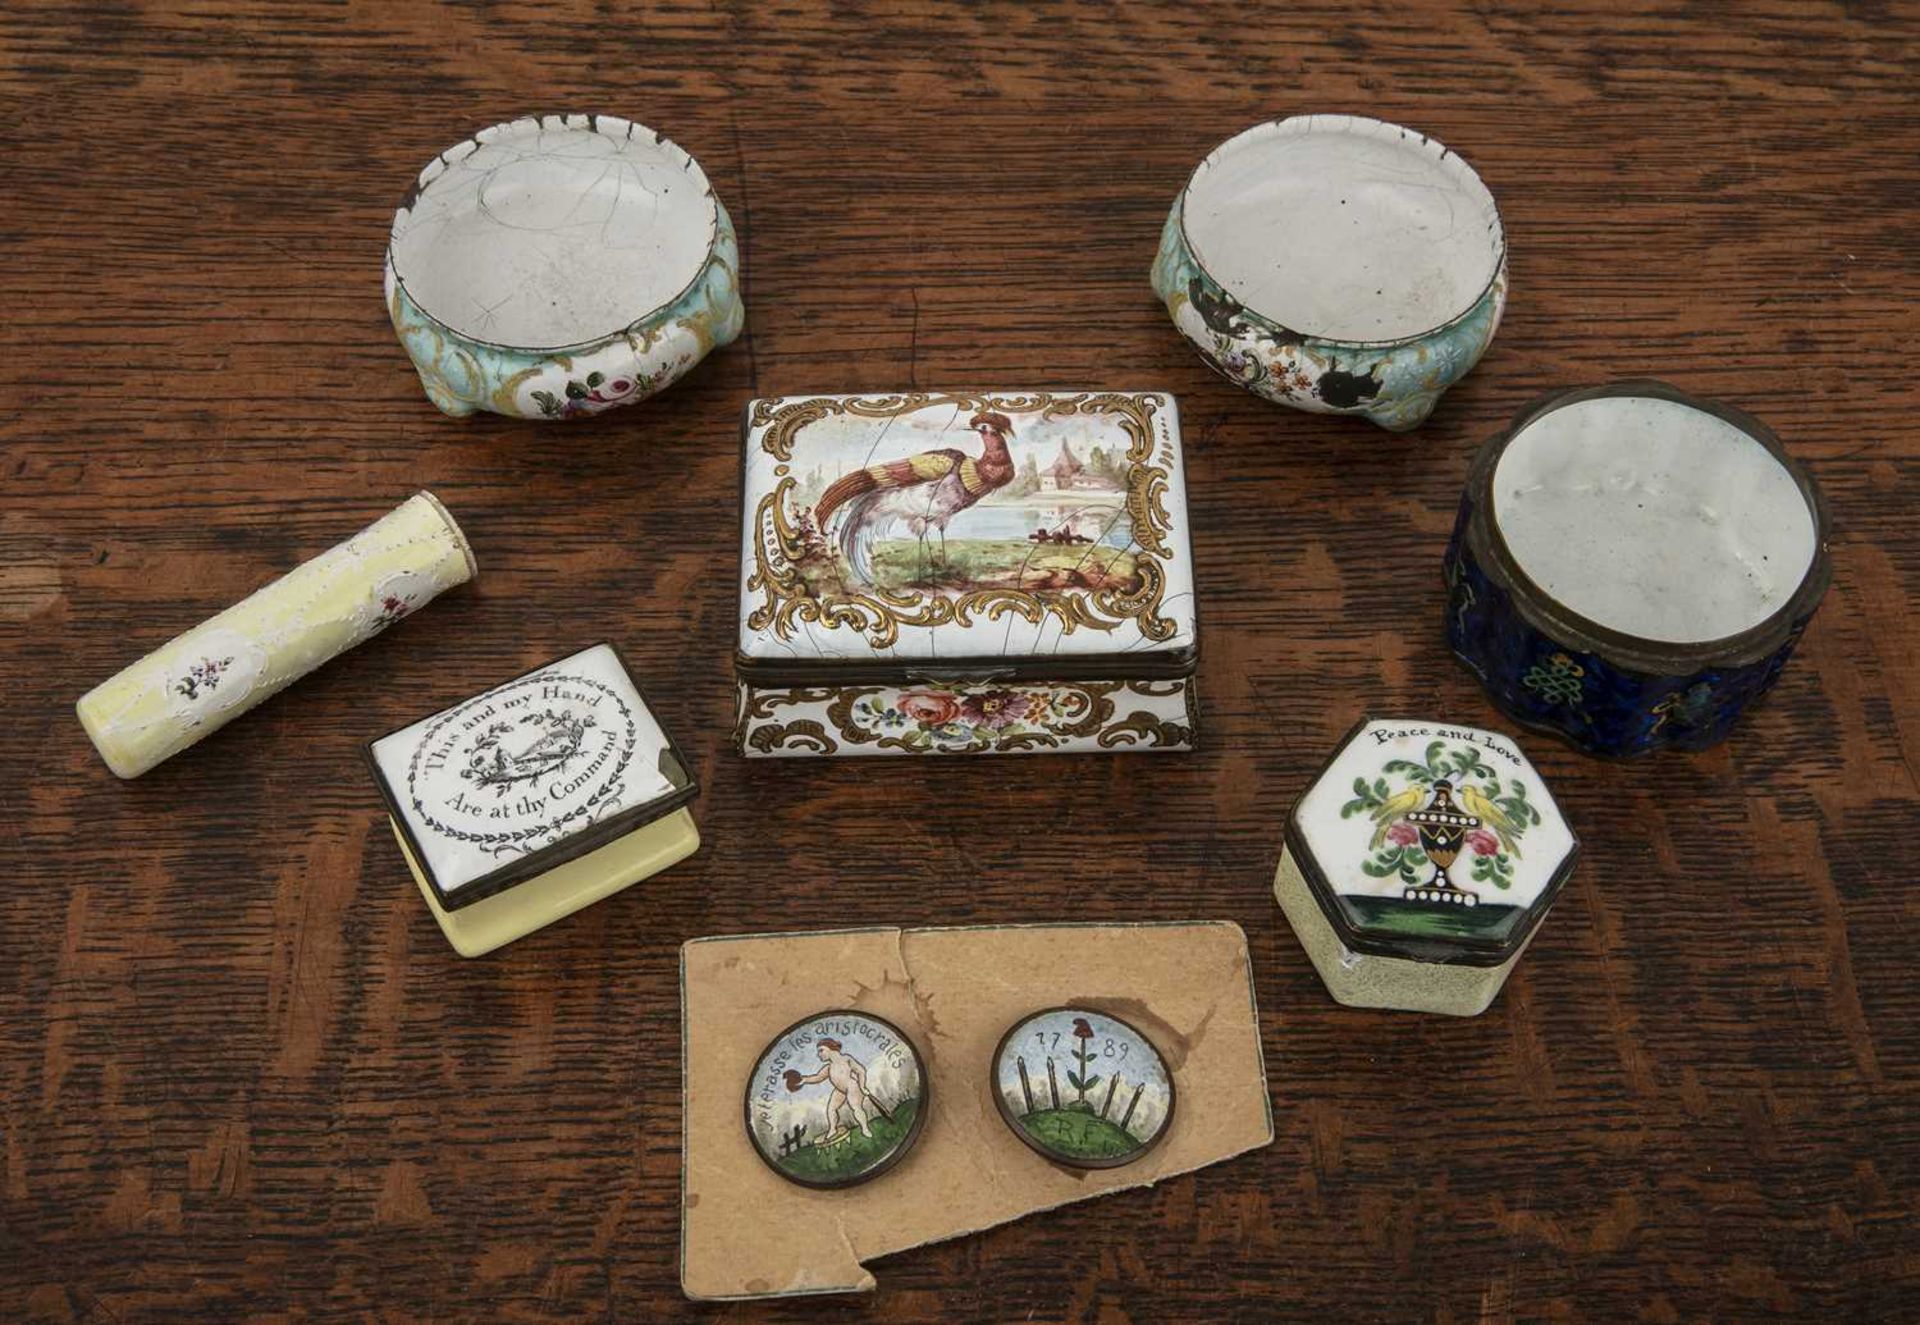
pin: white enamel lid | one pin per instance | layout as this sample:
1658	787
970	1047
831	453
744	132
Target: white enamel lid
553	231
523	768
1064	515
1344	228
1433	835
1653	518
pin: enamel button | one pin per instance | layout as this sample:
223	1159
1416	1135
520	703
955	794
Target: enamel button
836	1099
1083	1088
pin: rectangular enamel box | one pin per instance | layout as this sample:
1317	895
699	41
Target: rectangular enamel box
533	799
965	573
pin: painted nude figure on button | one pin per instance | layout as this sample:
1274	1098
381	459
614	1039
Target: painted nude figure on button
849	1080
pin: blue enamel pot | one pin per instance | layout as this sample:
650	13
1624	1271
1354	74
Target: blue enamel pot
1632	566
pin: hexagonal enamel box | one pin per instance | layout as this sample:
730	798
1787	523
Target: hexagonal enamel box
1419	865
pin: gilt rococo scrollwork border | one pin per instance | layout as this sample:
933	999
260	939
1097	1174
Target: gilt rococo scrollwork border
880	613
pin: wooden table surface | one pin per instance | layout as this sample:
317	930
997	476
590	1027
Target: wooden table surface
244	1076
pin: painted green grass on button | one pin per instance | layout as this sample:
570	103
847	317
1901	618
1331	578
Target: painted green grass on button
1076	1131
857	1153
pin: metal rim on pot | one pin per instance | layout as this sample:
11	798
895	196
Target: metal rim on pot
1565	626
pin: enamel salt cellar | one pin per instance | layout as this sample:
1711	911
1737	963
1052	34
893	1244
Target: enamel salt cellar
1336	264
1419	865
556	266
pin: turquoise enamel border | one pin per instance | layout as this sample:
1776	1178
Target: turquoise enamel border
462	375
1395	384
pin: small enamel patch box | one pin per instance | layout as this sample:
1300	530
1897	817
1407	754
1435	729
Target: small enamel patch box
837	1099
965	573
536	798
1419	865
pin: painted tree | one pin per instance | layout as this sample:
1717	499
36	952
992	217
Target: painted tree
1083	1079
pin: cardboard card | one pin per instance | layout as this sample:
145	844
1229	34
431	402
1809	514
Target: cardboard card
748	1232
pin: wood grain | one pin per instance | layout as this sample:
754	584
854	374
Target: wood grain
244	1077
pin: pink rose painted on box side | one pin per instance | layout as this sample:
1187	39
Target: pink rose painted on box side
930	706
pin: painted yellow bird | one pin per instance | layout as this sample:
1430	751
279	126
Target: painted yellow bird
1504	826
1390	811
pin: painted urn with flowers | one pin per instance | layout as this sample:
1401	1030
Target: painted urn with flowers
1442	830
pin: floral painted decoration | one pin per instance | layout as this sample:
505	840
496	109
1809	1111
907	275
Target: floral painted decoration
202	677
1498	809
393	606
946	720
599	391
930	718
1081	1076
